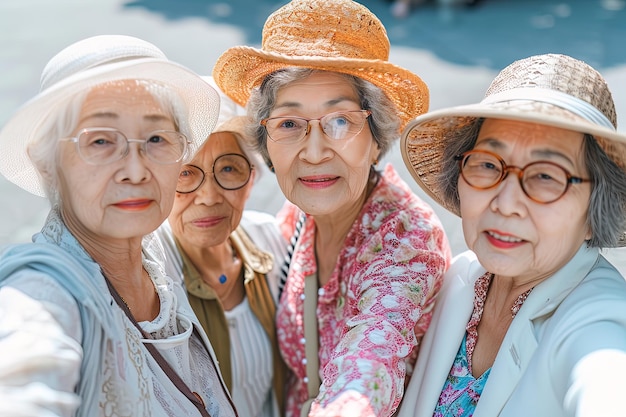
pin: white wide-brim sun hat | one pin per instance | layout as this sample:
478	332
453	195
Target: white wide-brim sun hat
86	64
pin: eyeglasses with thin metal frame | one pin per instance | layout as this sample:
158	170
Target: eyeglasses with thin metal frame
542	181
340	125
104	145
231	171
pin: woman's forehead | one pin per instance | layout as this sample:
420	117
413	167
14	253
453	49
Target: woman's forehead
218	143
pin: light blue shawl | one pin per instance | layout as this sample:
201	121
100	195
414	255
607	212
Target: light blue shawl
60	256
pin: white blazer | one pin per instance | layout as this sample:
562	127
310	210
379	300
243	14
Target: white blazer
564	354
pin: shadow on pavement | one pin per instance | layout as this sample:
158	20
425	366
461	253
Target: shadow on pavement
492	34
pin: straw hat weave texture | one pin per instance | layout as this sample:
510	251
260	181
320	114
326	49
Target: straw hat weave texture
330	35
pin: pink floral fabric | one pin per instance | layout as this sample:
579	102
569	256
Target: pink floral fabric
375	308
481	287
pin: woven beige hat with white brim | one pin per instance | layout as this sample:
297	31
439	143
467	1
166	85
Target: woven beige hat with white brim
553	90
330	35
86	64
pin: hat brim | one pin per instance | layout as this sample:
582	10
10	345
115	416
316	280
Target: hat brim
201	101
423	140
242	68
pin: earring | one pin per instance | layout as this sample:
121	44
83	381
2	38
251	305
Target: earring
375	162
270	166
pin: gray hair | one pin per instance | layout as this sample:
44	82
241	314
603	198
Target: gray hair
606	213
607	206
43	150
384	121
456	141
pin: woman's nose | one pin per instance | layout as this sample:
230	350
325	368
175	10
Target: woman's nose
209	191
315	145
510	198
135	169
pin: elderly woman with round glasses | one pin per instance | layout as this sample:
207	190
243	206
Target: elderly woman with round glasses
369	255
89	323
532	320
229	259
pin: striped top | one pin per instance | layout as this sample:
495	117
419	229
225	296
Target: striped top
251	354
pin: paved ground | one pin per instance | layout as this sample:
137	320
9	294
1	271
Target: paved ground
456	54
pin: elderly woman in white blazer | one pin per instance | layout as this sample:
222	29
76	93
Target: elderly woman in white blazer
532	320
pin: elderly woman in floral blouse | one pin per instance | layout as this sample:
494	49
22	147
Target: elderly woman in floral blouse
374	249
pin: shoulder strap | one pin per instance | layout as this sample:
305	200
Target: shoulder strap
194	397
311	335
311	338
284	269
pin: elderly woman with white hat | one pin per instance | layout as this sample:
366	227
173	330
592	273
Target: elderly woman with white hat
326	106
532	320
90	324
230	260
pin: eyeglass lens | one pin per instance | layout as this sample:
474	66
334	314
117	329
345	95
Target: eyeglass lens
543	182
103	146
337	126
231	172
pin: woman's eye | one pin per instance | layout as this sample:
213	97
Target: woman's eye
156	139
100	141
288	124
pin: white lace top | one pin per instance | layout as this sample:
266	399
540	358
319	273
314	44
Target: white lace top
41	340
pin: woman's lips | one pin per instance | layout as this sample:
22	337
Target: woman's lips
207	221
503	240
319	181
134	204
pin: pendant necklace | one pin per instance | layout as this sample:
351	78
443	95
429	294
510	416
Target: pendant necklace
223	278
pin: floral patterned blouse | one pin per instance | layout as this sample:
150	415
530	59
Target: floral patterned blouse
461	391
375	307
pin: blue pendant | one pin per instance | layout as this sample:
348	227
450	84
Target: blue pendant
223	279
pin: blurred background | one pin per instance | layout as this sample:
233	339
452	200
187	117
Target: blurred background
456	46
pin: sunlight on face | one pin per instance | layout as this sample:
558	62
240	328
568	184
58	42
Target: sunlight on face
320	176
207	216
128	198
511	234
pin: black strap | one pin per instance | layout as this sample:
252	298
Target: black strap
194	397
284	269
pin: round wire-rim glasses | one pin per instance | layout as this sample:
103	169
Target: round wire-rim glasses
542	181
339	125
231	171
104	145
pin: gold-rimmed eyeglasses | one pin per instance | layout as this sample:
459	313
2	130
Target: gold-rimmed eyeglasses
339	125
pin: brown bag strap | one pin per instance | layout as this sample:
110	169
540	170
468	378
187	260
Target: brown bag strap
311	338
194	397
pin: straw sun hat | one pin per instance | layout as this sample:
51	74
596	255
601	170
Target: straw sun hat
553	90
88	63
330	35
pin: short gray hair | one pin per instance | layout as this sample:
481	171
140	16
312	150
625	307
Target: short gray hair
43	151
384	121
606	213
